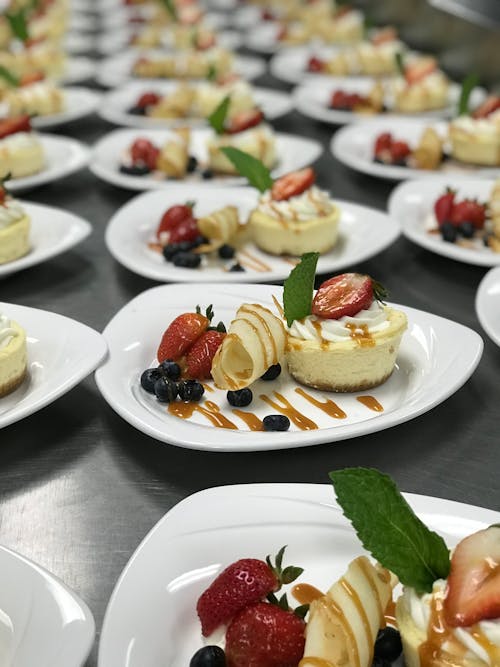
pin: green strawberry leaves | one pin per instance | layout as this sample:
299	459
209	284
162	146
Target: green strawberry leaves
217	118
257	174
298	288
8	77
285	576
468	85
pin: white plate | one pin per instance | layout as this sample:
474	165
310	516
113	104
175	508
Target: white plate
82	22
312	98
115	105
353	145
411	202
295	153
116	70
76	43
436	357
488	304
53	231
79	69
151	618
78	103
290	64
63	156
246	16
117	40
43	622
61	353
363	233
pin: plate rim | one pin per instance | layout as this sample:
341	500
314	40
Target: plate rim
492	274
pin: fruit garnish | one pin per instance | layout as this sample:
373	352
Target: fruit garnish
418	70
18	24
399	150
187	230
200	355
145	152
383	144
182	332
298	288
257	174
170	7
443	206
173	217
468	85
292	184
212	73
8	77
244	121
474	580
389	529
147	100
490	104
217	118
315	64
346	295
400	65
10	126
384	35
468	210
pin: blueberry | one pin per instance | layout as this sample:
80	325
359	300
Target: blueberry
240	398
190	390
149	377
135	169
388	644
378	662
226	251
208	656
170	369
187	260
185	246
236	268
379	160
400	163
448	232
467	229
486	240
137	111
276	423
207	174
272	373
199	240
192	164
165	390
169	251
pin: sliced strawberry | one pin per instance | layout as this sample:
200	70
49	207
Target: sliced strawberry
315	64
293	184
244	121
264	635
468	210
399	151
340	100
186	230
3	195
173	217
383	143
282	33
384	35
181	334
12	125
491	104
266	15
444	205
420	69
243	583
147	100
474	581
205	41
143	151
342	295
31	77
200	355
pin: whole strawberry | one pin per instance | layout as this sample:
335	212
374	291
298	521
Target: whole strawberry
181	334
444	206
265	635
243	583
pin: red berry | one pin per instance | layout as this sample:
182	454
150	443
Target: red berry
339	100
31	77
315	64
266	15
200	355
13	125
244	121
186	230
180	335
346	294
264	635
468	210
241	584
383	143
399	151
142	150
147	100
418	70
172	217
444	205
491	104
293	184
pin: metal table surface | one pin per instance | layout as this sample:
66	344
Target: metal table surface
79	487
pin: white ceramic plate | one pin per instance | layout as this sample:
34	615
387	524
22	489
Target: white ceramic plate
115	105
246	16
116	70
78	102
353	145
295	153
82	22
412	202
151	617
488	304
53	231
118	40
61	353
436	357
312	98
79	69
363	233
63	156
43	622
77	42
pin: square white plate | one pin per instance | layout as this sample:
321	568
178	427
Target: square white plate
42	622
61	353
411	202
363	233
488	304
151	618
436	357
53	231
294	153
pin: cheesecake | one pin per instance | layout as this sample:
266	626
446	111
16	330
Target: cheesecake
476	140
422	88
37	99
259	142
210	95
21	154
14	231
13	355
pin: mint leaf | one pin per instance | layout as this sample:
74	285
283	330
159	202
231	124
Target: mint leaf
400	63
389	529
170	7
10	78
252	169
468	85
217	118
18	24
298	288
212	73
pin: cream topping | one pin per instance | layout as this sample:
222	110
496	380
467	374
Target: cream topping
489	126
7	333
19	140
310	204
433	82
11	211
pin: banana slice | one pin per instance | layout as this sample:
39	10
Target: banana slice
343	624
219	227
255	341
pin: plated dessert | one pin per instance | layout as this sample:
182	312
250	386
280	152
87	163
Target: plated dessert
187	64
14	228
13	355
475	138
21	152
30	95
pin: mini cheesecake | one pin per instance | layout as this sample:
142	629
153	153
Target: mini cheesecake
13	356
259	142
425	94
476	140
21	154
210	95
14	231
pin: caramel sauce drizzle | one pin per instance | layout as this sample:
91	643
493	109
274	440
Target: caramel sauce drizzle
371	403
278	306
305	593
361	611
287	409
390	614
210	410
207	387
328	406
316	662
269	335
317	328
360	333
155	247
251	420
290	260
246	258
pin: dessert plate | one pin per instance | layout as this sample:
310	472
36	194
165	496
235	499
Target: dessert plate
151	616
78	102
78	69
116	70
115	105
290	65
295	153
353	145
61	353
436	357
63	156
487	301
43	622
411	205
77	42
118	40
53	231
363	233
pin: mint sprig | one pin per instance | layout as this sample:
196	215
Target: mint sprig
257	174
389	529
171	9
18	24
400	65
217	118
8	77
298	288
468	85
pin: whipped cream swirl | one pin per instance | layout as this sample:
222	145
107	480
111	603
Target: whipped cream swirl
11	211
369	320
7	333
488	127
312	203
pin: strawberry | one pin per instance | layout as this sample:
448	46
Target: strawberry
339	100
244	121
315	64
200	355
444	205
13	125
293	184
266	15
3	195
383	143
183	332
187	230
241	584
420	69
205	41
31	77
147	100
264	635
399	151
384	35
474	581
173	217
142	150
345	294
491	104
468	210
